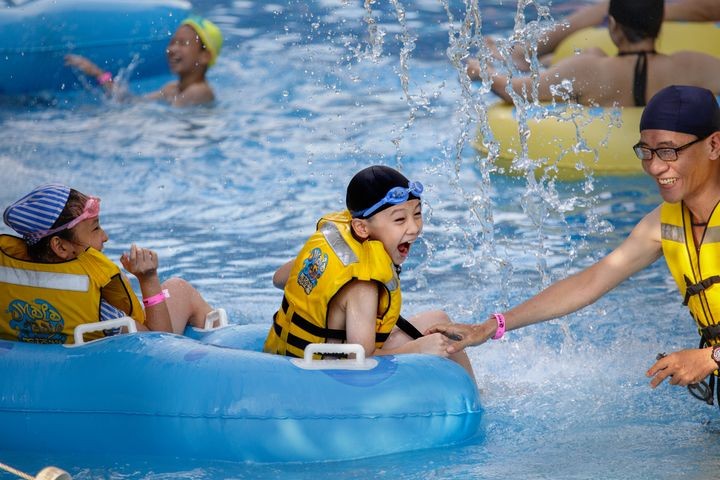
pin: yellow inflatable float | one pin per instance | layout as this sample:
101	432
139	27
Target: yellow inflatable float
566	141
569	141
674	37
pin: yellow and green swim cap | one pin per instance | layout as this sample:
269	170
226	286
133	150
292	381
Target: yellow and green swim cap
209	34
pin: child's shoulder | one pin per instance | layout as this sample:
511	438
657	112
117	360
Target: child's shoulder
166	92
195	94
357	292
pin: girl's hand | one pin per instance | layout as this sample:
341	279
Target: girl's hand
141	262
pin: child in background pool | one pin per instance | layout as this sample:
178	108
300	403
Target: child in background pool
55	277
344	285
192	50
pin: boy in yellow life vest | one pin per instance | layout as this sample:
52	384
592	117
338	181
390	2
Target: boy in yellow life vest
344	285
56	277
192	50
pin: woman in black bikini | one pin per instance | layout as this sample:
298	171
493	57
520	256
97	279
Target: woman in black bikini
640	31
600	80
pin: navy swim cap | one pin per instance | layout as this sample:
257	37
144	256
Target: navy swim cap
370	185
683	109
642	16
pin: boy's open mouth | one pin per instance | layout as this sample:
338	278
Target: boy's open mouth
404	248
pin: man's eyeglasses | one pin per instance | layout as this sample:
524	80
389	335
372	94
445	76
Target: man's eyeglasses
666	154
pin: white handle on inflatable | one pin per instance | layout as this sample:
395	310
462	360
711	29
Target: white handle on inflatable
358	363
218	315
345	348
84	328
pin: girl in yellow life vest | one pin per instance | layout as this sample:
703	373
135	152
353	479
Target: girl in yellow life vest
344	285
56	277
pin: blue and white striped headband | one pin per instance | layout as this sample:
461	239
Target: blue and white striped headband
37	211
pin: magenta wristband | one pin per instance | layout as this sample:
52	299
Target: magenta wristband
104	78
500	326
155	299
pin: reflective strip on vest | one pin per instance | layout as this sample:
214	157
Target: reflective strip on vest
674	233
56	281
338	244
712	235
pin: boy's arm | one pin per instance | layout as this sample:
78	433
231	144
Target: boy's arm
282	274
359	300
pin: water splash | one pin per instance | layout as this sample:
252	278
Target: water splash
546	205
376	34
121	82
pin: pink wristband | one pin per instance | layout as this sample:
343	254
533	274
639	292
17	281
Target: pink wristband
155	299
501	326
104	78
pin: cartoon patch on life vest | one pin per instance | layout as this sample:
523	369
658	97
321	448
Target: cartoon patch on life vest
37	322
313	268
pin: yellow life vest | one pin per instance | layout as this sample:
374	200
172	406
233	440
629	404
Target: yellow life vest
696	271
44	302
330	259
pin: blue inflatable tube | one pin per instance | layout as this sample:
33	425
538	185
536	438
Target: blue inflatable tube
36	35
156	394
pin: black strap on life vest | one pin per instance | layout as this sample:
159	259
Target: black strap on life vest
408	328
695	288
708	389
710	333
324	332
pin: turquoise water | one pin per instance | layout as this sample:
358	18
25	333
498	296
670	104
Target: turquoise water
306	98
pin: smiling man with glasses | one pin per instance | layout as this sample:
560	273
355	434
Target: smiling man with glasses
680	148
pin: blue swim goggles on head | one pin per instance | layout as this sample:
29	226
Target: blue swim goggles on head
394	196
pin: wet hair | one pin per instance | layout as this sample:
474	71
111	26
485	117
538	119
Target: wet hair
638	19
41	251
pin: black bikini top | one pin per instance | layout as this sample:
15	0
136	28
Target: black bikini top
640	77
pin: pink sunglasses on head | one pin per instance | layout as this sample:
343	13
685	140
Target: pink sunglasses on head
91	210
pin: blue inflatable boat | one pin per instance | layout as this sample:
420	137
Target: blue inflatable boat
35	36
157	394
